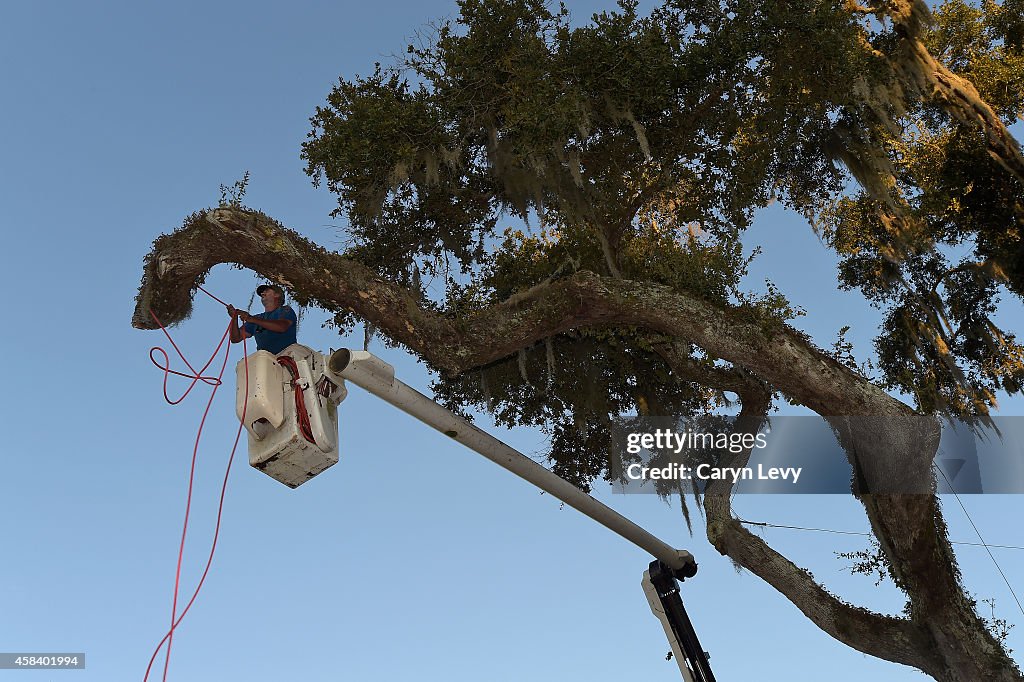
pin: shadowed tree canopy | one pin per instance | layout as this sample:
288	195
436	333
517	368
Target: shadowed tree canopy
635	150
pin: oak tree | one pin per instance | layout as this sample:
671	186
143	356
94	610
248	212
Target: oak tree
635	150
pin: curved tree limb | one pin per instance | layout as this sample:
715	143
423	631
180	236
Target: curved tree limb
777	353
885	637
943	631
882	636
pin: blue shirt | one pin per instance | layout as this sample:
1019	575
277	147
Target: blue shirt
274	342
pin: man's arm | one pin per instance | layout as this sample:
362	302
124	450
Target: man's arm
237	333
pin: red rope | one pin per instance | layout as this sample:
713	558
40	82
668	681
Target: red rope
215	383
212	296
300	402
195	376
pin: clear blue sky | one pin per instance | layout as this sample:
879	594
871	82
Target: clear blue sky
412	559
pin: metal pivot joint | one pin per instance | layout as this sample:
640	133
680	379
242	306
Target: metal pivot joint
662	592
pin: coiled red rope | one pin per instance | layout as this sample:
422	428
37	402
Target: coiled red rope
215	382
305	428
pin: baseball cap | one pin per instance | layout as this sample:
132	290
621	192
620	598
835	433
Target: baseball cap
263	287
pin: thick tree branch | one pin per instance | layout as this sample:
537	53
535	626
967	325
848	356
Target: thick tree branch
921	72
943	630
778	354
892	639
885	637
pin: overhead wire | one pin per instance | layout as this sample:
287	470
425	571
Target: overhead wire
853	532
988	546
975	527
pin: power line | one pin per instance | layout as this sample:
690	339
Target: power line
984	544
991	556
851	532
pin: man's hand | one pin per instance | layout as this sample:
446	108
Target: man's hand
238	333
237	314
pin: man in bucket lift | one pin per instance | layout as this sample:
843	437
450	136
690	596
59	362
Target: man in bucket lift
274	329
